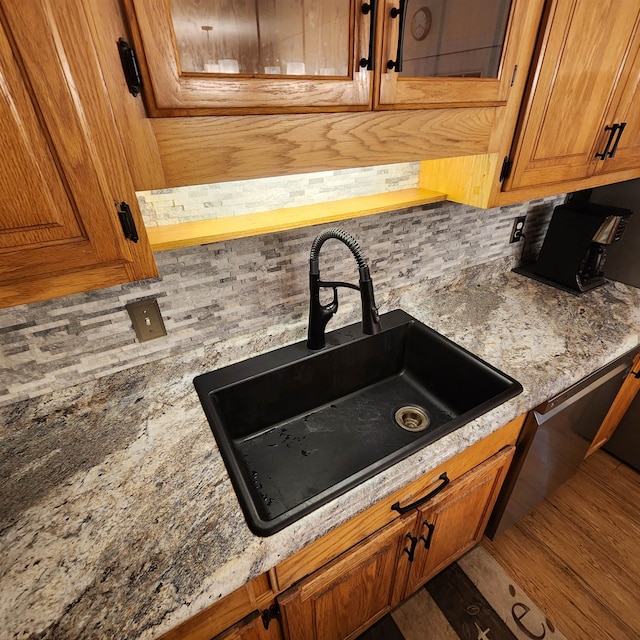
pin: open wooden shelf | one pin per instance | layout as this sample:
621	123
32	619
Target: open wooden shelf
186	234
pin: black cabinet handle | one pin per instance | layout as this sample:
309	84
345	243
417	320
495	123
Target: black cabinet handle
612	132
370	8
411	550
431	527
400	12
621	127
444	481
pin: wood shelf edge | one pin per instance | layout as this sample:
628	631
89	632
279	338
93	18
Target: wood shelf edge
186	234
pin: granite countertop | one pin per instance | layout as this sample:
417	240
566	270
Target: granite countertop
119	520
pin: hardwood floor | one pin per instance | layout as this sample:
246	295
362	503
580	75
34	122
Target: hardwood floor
577	555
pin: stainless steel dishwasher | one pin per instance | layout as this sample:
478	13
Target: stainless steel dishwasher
553	442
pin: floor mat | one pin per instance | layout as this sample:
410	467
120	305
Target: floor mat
472	599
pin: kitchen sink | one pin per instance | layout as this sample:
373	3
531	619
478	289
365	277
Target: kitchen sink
297	427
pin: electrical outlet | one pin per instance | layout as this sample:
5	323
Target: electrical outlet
517	232
146	319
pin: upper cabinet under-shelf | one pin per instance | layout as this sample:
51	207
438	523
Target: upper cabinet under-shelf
298	56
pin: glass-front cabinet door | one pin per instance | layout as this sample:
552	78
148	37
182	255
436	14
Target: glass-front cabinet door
255	56
450	52
217	57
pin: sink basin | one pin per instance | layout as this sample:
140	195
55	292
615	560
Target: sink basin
296	427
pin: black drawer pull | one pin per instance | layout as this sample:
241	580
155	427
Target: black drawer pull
444	481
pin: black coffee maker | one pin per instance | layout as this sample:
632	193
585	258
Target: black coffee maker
574	250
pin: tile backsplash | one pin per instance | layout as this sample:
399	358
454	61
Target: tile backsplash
224	199
214	292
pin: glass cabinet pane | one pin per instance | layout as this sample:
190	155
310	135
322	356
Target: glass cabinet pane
454	38
263	37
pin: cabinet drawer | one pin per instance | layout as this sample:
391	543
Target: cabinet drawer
324	549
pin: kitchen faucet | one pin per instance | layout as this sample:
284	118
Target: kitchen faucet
319	314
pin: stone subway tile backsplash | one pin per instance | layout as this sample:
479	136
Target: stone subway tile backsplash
218	291
224	199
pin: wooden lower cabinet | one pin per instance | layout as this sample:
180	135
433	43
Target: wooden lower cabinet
455	519
222	617
626	395
252	628
341	600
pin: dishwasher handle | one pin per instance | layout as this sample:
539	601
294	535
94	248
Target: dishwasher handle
562	401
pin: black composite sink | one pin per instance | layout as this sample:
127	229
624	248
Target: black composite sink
297	427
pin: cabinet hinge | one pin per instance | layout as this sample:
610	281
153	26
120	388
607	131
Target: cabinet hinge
127	222
505	172
272	613
130	68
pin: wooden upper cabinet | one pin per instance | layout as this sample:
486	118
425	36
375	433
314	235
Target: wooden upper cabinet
252	57
59	231
585	82
297	56
456	53
624	153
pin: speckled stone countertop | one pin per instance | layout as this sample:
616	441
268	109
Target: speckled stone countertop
118	519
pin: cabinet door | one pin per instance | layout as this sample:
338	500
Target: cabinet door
342	599
59	230
581	54
624	152
252	57
621	403
460	53
455	520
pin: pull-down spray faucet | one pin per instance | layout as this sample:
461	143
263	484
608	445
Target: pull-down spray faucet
319	314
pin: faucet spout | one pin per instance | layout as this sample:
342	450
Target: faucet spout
319	314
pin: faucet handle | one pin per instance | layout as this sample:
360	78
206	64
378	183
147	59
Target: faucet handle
331	307
319	314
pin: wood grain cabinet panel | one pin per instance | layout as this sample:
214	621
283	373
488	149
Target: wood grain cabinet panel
587	54
64	175
625	112
237	615
455	520
621	403
252	628
353	591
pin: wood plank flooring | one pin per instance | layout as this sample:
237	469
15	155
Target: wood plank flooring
577	555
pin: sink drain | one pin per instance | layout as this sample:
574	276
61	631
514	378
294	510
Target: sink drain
412	418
